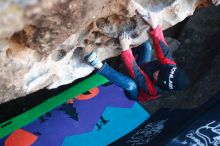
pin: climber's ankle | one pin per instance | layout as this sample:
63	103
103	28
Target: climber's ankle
92	59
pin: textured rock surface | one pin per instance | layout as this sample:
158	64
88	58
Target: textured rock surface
41	42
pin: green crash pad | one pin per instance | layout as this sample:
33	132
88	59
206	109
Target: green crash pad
39	110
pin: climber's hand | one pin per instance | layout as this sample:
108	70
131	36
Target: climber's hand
153	20
125	41
150	17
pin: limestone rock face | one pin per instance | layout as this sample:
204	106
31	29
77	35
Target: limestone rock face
42	42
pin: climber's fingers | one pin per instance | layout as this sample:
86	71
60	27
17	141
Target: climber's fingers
125	35
129	37
121	37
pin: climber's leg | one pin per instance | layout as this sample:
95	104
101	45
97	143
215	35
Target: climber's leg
120	80
114	76
144	53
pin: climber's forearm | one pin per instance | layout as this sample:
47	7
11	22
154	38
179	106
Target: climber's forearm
157	34
128	60
161	46
156	30
126	54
